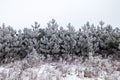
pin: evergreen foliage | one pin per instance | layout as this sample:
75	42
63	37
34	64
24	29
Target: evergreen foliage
57	41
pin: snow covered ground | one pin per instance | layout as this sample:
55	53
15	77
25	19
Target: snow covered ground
92	69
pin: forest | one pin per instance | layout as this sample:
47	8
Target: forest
58	42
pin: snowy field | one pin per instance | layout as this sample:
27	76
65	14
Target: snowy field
33	68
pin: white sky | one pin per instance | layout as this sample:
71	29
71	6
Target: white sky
23	13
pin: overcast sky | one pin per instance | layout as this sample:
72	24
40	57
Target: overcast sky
23	13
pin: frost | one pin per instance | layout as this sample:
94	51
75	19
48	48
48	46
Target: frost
50	70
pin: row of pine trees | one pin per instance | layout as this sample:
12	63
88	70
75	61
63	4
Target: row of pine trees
59	42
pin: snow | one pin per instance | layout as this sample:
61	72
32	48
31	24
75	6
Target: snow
61	70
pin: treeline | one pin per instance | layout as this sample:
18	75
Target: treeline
58	42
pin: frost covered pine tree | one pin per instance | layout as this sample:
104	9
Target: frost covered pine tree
71	39
7	39
52	35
